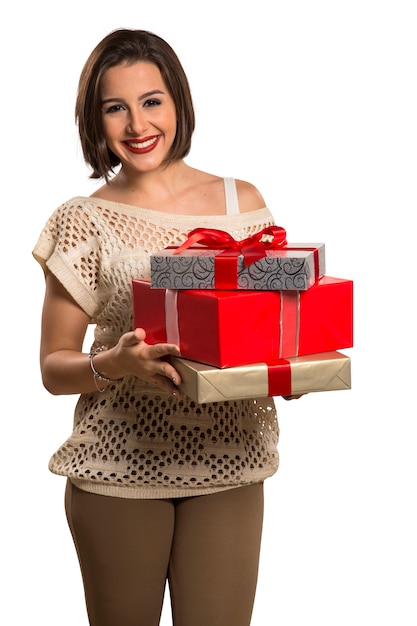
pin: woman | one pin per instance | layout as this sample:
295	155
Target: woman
158	488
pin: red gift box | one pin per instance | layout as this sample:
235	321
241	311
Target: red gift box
228	328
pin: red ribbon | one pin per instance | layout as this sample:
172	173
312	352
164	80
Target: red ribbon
279	378
252	248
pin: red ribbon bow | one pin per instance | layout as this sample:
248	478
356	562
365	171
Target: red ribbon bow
252	248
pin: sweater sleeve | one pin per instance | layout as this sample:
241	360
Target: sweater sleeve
69	247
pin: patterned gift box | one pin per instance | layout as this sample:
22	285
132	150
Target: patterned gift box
327	371
262	262
228	328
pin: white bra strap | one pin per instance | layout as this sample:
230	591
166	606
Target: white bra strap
232	202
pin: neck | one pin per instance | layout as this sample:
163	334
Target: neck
167	178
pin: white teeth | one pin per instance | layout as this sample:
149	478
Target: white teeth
142	144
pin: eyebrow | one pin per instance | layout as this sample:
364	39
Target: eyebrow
148	94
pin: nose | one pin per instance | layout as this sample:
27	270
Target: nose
136	123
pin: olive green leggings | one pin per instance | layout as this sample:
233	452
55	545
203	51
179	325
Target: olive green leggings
207	547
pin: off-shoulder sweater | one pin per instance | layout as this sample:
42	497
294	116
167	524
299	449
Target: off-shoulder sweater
133	440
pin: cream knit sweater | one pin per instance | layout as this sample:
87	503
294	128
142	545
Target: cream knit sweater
133	440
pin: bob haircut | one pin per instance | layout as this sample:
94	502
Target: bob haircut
128	46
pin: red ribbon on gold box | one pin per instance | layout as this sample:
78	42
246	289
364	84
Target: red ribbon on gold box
327	371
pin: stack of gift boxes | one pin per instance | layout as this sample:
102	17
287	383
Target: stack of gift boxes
252	318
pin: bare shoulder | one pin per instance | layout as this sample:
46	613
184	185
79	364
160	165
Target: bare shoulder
250	198
103	193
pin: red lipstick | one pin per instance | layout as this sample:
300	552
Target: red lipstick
142	146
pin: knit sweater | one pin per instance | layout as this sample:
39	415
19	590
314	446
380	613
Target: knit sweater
134	440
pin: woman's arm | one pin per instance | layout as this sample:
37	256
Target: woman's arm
66	369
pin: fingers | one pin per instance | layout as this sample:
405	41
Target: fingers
158	350
152	363
167	385
166	377
154	351
295	397
137	336
132	338
140	334
170	373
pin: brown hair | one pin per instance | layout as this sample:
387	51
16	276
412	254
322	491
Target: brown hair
129	46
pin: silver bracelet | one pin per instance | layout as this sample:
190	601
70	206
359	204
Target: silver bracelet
96	374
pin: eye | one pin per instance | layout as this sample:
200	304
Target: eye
114	108
152	102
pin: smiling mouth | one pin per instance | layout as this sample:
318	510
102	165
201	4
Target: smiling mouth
139	147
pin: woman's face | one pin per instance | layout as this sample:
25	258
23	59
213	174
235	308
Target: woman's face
138	115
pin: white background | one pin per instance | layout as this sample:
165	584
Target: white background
315	103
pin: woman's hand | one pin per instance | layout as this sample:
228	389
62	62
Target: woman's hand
295	397
66	368
133	356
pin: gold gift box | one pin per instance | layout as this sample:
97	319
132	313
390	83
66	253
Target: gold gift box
327	371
